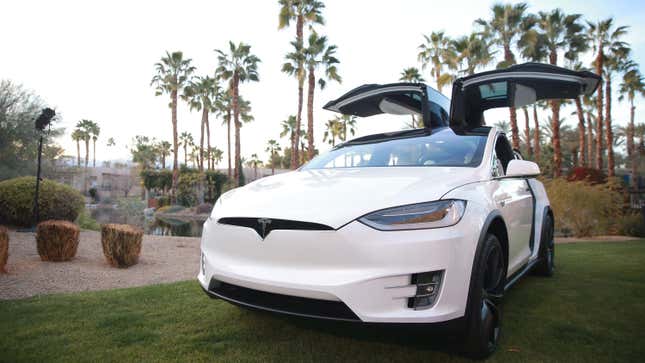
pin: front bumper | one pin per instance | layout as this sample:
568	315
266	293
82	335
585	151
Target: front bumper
366	270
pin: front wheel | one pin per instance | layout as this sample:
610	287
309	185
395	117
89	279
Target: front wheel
484	315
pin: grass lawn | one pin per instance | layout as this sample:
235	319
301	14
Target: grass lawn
592	310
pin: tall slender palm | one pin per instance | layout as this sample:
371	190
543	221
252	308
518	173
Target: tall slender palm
201	94
95	131
289	129
554	32
254	162
86	127
303	12
238	66
186	140
437	51
616	60
318	54
588	107
77	135
603	36
333	131
632	85
217	156
164	150
504	29
173	73
273	148
472	51
224	106
411	74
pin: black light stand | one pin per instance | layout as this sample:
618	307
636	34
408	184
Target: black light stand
42	121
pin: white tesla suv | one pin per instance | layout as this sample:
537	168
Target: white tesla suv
419	226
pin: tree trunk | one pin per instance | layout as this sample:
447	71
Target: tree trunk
630	145
201	138
609	131
582	160
310	113
509	58
438	75
536	134
185	154
599	120
527	133
78	153
228	137
555	126
163	161
94	153
209	164
87	152
590	143
236	119
175	146
295	152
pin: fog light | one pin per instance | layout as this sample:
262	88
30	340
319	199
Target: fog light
203	265
428	286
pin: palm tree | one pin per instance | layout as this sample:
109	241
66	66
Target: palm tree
95	131
253	163
554	32
238	66
173	72
186	140
603	36
503	126
164	150
224	106
289	128
86	127
333	130
77	135
616	60
318	54
438	52
201	94
216	156
527	133
349	124
472	51
504	28
631	85
111	142
273	148
412	75
303	12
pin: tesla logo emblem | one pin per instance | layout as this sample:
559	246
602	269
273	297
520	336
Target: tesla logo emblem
264	223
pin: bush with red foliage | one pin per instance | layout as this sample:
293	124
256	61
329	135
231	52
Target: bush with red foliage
591	175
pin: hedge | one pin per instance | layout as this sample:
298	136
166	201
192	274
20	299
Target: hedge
56	201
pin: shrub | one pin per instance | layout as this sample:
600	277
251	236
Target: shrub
163	201
57	240
56	201
121	244
187	188
85	221
94	194
633	224
583	208
591	175
4	248
204	208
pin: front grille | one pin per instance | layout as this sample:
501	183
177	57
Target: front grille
265	225
286	304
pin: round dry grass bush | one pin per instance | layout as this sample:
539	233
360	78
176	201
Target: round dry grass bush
121	244
4	248
57	240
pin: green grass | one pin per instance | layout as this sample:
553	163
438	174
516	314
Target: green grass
592	310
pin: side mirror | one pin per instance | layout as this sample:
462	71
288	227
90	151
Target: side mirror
522	168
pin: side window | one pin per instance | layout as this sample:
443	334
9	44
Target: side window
503	155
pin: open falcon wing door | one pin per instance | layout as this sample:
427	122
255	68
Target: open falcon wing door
395	98
518	85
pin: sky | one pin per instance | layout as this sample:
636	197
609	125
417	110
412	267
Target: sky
94	60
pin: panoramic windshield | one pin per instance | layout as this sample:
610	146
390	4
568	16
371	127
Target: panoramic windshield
415	148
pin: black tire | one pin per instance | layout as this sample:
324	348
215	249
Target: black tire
546	254
484	314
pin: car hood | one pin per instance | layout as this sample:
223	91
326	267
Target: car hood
335	197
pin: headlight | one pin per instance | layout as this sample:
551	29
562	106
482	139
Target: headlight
442	213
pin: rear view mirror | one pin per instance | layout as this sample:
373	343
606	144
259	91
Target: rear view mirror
522	168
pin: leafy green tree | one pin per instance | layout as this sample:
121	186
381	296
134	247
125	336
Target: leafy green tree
238	66
164	149
303	12
173	73
411	74
144	151
507	24
318	54
437	51
472	52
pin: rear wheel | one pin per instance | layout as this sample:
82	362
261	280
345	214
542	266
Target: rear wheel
484	315
547	249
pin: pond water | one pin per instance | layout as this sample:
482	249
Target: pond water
163	226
